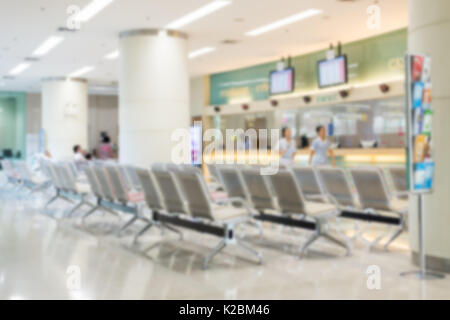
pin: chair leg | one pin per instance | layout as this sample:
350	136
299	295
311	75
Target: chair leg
53	199
169	227
142	231
87	214
338	242
222	244
308	243
153	246
394	236
75	208
126	225
111	211
257	225
252	251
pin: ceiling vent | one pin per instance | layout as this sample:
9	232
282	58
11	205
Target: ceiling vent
65	29
229	41
31	59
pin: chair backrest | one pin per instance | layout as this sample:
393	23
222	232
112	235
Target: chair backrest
93	182
196	192
234	182
23	171
125	176
73	167
261	192
153	197
214	172
133	178
174	199
104	182
371	188
308	180
45	169
64	175
51	168
336	185
289	194
398	177
117	183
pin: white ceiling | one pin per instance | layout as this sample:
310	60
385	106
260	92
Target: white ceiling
27	23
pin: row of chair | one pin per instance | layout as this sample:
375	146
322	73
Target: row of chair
19	176
176	198
372	201
179	197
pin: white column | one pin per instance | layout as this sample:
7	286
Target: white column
429	30
64	115
153	94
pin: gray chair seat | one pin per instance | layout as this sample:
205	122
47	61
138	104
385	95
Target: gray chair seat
224	213
399	205
318	208
82	188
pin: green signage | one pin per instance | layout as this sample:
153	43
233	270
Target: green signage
372	59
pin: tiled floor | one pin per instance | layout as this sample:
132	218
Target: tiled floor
40	258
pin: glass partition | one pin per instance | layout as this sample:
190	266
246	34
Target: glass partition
12	125
373	123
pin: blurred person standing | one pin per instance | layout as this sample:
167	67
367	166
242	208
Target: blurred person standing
287	147
321	148
105	151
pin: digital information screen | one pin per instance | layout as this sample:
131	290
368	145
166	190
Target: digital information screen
332	72
282	81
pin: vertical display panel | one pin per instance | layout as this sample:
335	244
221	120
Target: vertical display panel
419	115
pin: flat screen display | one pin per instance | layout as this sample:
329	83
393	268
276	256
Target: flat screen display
282	81
332	72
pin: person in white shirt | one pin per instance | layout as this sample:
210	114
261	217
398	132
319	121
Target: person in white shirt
287	147
79	156
320	148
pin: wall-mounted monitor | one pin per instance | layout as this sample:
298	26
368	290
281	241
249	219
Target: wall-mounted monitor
282	81
332	72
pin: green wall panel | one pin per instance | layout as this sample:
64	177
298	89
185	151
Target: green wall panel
13	122
371	59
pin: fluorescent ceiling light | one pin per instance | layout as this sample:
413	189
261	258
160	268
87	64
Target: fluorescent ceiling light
92	9
113	55
199	13
283	22
21	67
200	52
47	45
81	71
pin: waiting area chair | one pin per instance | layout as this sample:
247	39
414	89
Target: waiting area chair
373	195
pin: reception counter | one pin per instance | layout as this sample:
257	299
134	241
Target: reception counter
344	157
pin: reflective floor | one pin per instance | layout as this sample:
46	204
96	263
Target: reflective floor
45	258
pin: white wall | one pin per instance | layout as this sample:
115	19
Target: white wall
197	96
103	112
102	116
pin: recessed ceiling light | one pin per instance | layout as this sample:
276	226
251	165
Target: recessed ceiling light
283	22
200	52
21	67
47	45
81	71
113	55
92	9
199	13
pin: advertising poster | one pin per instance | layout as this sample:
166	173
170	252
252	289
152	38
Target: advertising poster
420	120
